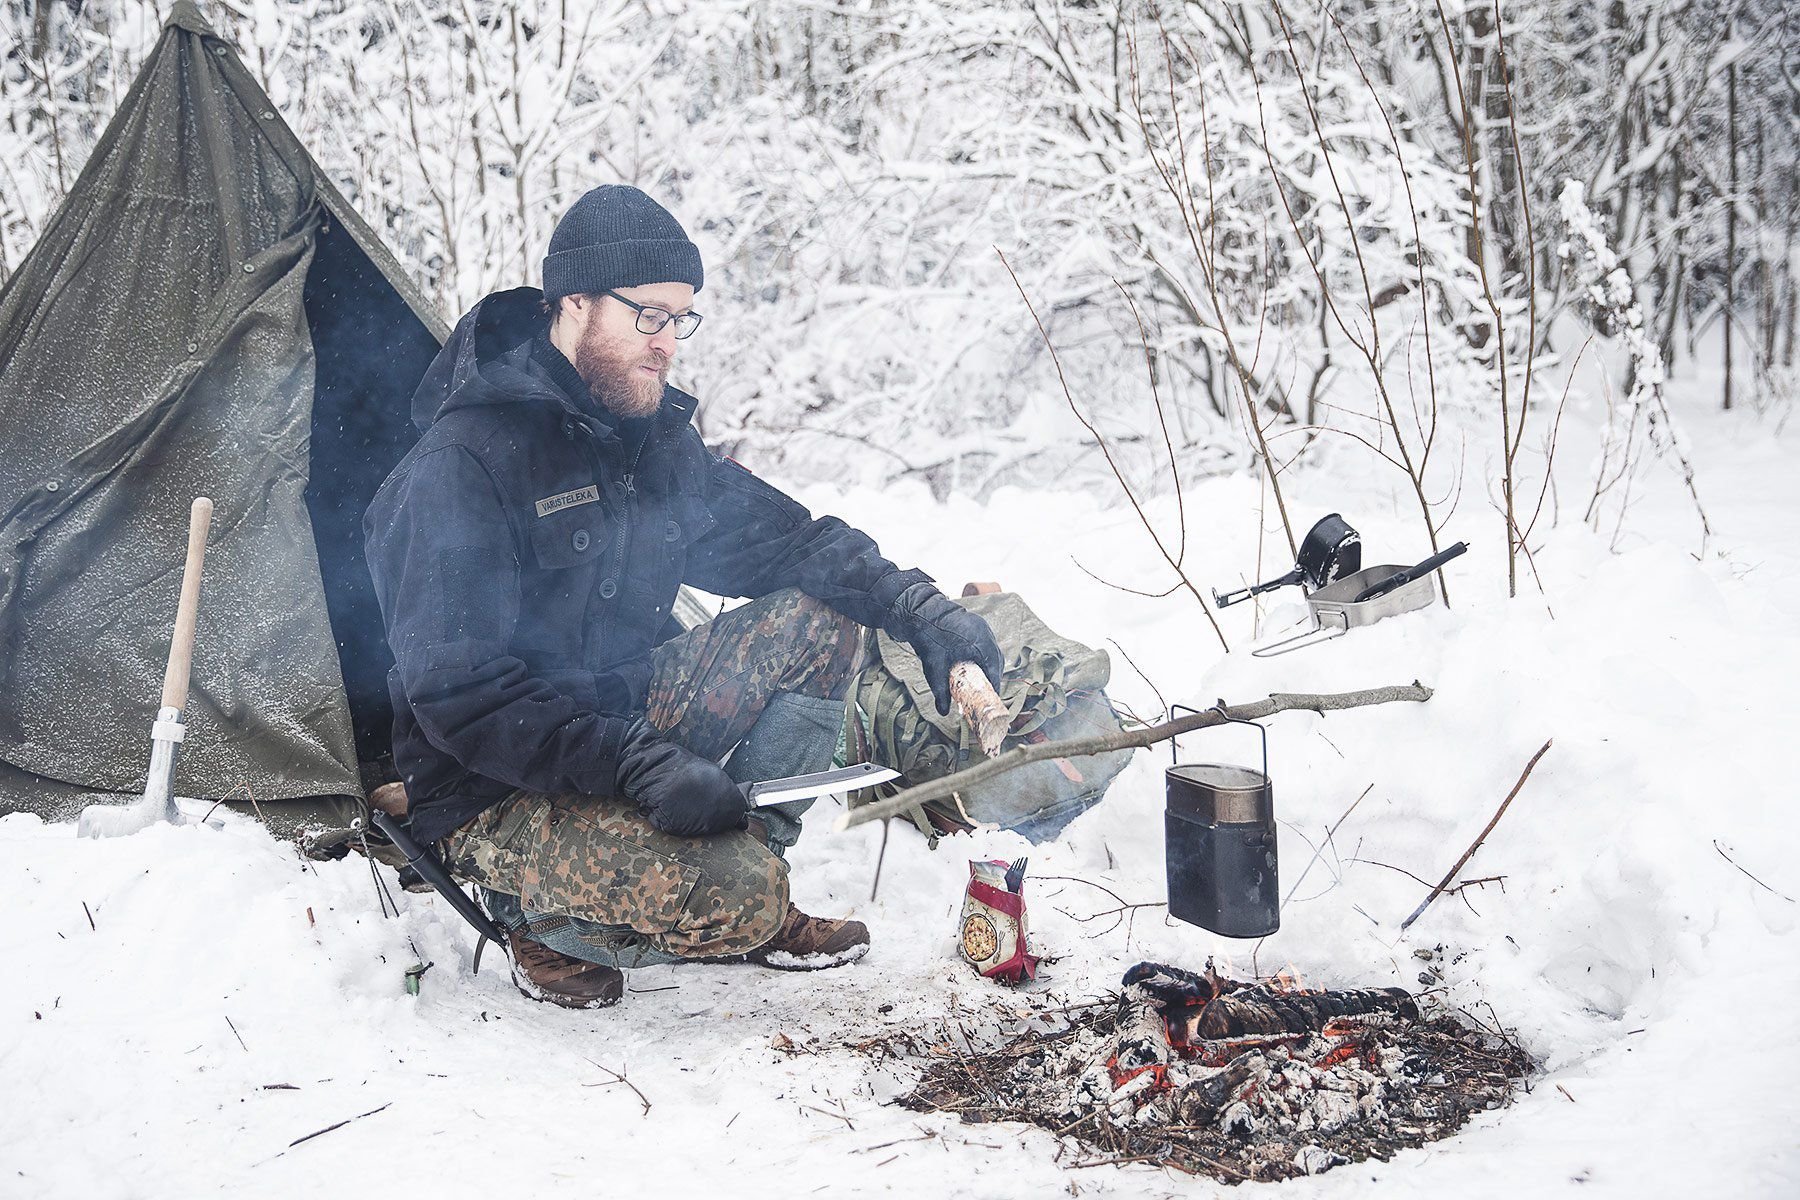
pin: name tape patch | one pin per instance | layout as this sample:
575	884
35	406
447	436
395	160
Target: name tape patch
550	504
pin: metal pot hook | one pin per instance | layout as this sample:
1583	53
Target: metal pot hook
1220	709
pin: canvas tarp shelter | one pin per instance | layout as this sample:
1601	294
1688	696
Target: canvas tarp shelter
204	315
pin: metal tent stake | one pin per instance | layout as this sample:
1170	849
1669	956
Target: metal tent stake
168	732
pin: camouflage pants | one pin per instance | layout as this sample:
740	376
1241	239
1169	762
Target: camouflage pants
594	877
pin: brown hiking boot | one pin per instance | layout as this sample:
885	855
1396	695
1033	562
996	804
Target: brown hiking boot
549	975
806	943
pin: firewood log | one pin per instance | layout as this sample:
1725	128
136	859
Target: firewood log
980	706
1256	1011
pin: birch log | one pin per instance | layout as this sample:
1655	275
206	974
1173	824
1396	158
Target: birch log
980	706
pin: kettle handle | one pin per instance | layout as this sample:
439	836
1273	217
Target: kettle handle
1220	709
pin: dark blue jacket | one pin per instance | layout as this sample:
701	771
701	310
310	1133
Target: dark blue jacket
527	553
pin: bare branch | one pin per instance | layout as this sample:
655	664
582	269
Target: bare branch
1125	739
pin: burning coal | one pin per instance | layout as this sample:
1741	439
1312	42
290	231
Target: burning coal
1235	1080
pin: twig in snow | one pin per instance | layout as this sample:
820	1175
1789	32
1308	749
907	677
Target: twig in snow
322	1132
235	1033
827	1112
1476	844
619	1077
880	858
1151	684
1375	862
923	1137
1461	888
96	928
1747	875
1125	912
1321	847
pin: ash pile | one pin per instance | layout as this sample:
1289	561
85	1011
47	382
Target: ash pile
1235	1080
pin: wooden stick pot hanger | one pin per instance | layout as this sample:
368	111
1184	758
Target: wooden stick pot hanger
1149	735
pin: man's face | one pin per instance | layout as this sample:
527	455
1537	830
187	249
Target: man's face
624	369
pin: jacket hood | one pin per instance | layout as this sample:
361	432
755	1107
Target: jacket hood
487	361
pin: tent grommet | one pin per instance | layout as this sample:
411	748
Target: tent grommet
249	267
52	486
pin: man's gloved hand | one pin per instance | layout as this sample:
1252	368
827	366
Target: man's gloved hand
944	634
679	791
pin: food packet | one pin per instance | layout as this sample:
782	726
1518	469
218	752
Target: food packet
994	931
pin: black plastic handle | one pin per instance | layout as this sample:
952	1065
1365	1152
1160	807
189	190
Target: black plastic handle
1382	587
431	869
1229	598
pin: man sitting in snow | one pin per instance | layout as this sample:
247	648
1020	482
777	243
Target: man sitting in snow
558	734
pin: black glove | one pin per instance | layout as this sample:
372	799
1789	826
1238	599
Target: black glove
679	791
944	634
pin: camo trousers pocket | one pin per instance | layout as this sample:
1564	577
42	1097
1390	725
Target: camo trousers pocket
490	849
597	858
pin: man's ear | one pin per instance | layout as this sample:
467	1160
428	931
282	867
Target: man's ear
569	307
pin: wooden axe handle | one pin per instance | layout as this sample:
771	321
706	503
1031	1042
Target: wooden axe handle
979	705
181	648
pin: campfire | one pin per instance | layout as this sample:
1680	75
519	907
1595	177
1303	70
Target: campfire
1234	1080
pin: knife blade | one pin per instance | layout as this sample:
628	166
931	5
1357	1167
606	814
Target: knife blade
819	783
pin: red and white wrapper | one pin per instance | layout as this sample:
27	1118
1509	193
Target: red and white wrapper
994	931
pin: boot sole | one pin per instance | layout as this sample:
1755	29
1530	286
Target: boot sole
784	960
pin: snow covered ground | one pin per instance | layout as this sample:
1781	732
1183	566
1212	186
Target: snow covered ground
177	1008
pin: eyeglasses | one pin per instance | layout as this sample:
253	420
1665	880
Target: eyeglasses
651	319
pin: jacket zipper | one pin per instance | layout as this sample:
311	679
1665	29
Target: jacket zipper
622	535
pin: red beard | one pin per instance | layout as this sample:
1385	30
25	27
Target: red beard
614	375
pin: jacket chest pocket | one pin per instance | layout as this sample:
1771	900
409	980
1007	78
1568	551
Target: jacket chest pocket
574	537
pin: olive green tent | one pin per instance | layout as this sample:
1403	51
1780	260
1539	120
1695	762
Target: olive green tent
204	315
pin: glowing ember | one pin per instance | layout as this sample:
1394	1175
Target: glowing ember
1236	1080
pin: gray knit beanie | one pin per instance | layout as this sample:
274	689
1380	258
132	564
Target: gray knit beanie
616	237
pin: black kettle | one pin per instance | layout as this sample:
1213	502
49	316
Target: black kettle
1219	845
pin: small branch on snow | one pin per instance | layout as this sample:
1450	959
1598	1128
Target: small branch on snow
1476	844
1747	875
1124	913
322	1132
1329	833
619	1077
827	1112
1125	739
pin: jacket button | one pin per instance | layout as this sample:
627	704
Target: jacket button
609	589
672	533
579	540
